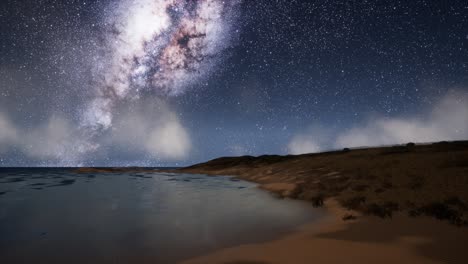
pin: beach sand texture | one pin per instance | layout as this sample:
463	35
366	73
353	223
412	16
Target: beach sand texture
393	200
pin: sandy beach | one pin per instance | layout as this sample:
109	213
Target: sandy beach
365	240
397	204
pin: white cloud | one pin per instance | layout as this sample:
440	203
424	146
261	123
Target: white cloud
313	140
447	120
170	140
153	128
302	144
52	140
149	129
8	132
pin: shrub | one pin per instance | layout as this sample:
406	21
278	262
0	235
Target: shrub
360	188
416	183
382	210
387	185
354	203
379	190
348	217
455	201
317	201
441	211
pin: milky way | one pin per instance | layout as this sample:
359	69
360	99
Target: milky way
177	82
162	46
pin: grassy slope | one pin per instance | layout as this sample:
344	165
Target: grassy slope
422	179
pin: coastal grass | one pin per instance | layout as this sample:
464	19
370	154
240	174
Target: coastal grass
429	179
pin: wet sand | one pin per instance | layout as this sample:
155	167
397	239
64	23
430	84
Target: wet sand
393	198
401	239
418	180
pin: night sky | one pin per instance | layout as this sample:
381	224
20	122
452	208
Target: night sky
175	82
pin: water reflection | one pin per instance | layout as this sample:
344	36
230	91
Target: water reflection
58	216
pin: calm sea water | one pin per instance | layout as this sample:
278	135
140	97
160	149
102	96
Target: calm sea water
60	216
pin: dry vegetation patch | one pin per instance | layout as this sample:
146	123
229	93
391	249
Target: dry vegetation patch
429	179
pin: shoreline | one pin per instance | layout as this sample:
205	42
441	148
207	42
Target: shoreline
365	240
418	180
403	204
392	198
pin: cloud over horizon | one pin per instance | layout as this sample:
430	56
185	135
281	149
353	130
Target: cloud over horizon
314	139
150	130
8	132
55	141
302	144
446	120
154	128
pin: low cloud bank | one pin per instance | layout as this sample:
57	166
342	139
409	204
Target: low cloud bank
314	139
301	144
51	140
55	141
150	131
152	127
8	132
446	120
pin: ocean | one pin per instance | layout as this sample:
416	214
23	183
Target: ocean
59	215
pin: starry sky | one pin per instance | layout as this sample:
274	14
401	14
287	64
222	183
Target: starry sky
175	82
